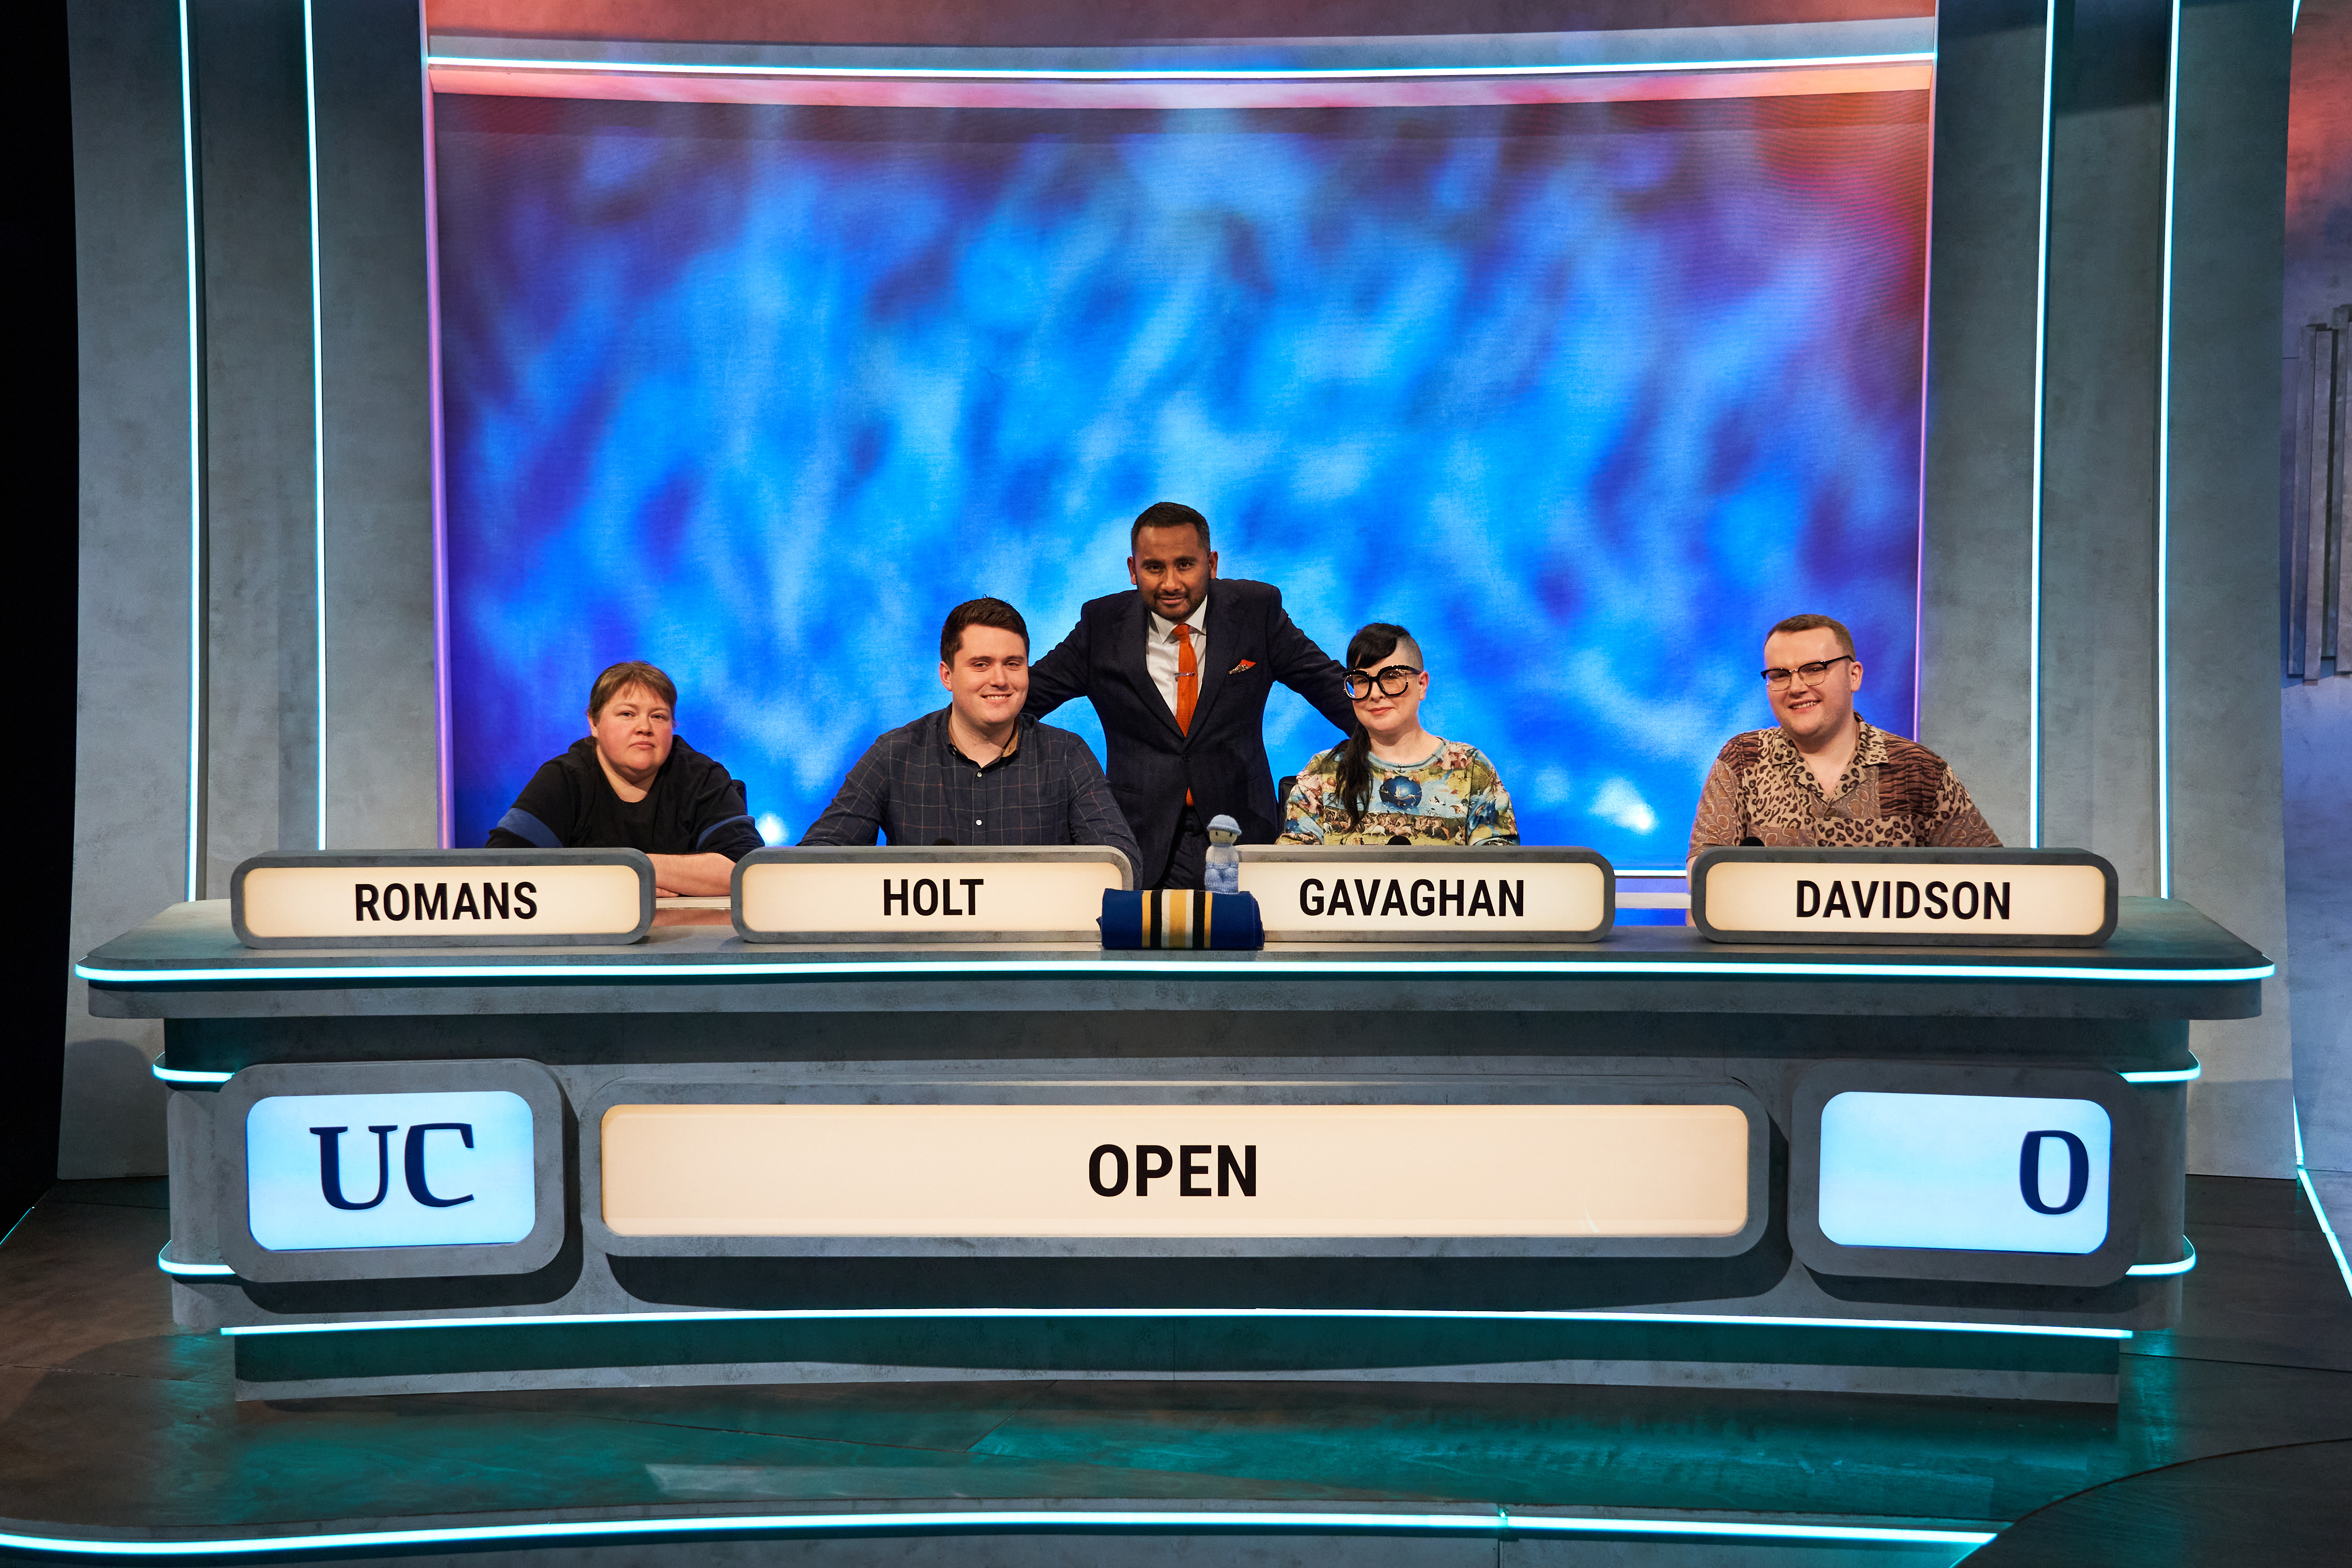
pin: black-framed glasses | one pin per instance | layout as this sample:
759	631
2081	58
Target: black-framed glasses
1809	674
1392	679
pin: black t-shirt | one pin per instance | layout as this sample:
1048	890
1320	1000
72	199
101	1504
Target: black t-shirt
693	806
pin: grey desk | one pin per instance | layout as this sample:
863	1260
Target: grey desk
693	1008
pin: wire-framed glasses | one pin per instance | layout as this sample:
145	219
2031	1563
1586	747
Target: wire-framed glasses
1806	674
1392	679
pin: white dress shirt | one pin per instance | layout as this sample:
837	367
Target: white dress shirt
1160	652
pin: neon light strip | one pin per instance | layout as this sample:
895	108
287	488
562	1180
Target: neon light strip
2319	1211
2164	484
1212	968
840	1314
447	805
317	407
196	464
2187	1261
933	73
1223	1521
186	1075
2174	1075
2041	403
191	1270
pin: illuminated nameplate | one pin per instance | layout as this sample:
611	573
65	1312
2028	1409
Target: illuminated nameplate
1971	1173
1966	898
369	1170
1176	1170
1048	893
443	898
1396	893
1975	1172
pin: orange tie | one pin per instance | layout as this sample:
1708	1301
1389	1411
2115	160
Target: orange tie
1188	677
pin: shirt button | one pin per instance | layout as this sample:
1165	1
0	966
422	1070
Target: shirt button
975	822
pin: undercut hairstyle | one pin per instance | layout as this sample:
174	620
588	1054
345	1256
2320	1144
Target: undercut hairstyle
1369	649
1814	624
1168	514
980	613
620	677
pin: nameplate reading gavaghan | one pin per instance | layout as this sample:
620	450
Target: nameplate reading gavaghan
1429	894
443	898
947	894
1957	897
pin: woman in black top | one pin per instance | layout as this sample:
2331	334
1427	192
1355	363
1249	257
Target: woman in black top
632	784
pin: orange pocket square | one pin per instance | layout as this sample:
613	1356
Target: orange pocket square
1245	664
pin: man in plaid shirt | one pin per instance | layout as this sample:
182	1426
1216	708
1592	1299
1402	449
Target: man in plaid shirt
978	772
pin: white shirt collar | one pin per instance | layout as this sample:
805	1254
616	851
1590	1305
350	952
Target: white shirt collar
1162	628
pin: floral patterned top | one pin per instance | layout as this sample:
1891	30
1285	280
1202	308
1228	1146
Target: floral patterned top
1451	796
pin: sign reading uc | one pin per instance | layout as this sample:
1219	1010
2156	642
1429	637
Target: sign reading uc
335	1171
1972	1173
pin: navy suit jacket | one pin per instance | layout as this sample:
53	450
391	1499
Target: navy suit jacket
1223	760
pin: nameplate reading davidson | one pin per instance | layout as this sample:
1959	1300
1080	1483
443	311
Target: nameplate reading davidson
1956	897
1048	893
1429	894
443	897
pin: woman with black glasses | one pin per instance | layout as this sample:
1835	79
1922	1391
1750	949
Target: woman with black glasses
1390	781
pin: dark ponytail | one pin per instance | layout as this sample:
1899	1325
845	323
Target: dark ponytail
1365	650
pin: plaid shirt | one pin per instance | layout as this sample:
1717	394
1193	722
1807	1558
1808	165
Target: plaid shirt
915	788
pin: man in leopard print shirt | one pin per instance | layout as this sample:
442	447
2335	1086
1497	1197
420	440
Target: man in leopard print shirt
1826	778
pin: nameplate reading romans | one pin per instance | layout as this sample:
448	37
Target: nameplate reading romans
1046	893
1429	894
804	1170
443	897
1955	897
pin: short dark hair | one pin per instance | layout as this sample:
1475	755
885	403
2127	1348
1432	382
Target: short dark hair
618	678
1168	514
1814	624
980	613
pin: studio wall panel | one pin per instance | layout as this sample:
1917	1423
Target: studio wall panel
2222	556
139	500
382	773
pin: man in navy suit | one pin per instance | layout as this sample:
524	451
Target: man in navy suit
1180	671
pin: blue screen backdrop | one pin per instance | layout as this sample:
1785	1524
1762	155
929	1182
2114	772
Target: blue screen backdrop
1585	394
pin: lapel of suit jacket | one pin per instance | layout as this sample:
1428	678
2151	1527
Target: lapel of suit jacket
1221	654
1134	632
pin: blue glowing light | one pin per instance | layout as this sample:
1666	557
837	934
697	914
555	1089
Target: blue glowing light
2319	1211
1203	968
197	600
178	1270
318	411
832	1314
2163	473
188	1075
2190	1074
1222	1520
1588	394
2187	1261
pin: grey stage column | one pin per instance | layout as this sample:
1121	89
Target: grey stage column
382	732
2099	784
2228	241
1975	558
261	743
138	501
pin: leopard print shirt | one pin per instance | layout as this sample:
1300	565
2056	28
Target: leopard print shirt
1894	794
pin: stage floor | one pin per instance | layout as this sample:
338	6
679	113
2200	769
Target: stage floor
115	1424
